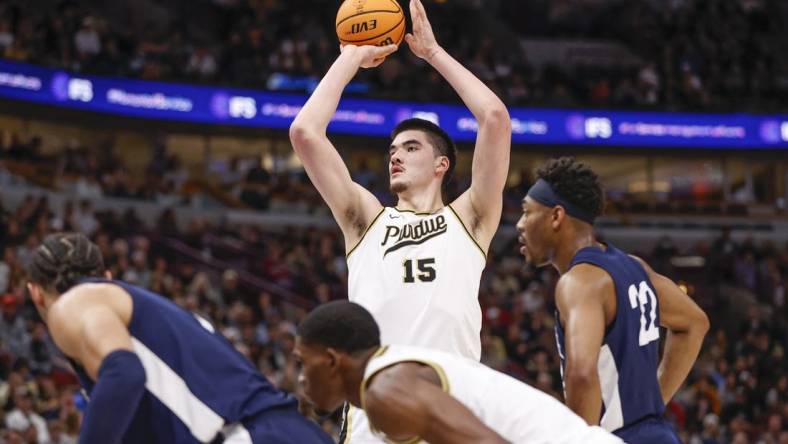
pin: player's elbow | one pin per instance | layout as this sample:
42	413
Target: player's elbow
700	322
496	117
302	135
693	322
581	377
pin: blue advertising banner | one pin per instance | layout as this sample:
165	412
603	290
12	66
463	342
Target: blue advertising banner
366	117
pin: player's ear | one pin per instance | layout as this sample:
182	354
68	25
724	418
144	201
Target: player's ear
35	294
333	357
441	164
558	214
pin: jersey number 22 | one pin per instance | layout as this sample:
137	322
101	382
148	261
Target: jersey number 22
639	296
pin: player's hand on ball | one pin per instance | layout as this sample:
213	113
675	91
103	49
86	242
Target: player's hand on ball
370	56
422	41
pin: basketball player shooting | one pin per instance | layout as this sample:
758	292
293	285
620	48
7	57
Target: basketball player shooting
415	267
609	308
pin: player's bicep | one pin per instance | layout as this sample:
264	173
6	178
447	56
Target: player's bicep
404	406
102	332
395	412
350	203
490	168
581	305
326	170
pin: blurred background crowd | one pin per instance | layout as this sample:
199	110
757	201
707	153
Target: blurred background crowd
254	279
681	54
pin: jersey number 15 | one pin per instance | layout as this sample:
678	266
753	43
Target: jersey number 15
425	268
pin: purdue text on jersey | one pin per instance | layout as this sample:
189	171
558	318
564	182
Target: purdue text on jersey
413	234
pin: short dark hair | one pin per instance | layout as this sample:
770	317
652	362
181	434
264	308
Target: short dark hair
575	182
439	139
64	259
341	325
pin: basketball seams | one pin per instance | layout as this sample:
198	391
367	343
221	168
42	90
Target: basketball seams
379	35
339	23
397	5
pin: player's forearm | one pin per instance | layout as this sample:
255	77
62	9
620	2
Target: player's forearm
485	106
584	396
681	350
322	104
113	401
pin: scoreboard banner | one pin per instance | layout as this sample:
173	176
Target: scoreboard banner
376	118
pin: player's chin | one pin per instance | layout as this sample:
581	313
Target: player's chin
531	258
397	185
526	253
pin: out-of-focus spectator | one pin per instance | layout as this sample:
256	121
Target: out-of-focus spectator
25	420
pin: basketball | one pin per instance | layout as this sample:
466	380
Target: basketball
370	22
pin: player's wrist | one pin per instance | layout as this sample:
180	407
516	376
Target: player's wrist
434	53
351	55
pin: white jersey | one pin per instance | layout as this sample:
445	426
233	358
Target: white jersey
516	411
418	274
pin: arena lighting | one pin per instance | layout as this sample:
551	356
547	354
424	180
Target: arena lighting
376	118
688	261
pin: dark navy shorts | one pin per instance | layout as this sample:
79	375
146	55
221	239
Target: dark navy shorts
648	431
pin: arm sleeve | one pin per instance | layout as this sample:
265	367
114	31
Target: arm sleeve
114	399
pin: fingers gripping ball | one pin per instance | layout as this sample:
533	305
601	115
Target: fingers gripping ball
370	22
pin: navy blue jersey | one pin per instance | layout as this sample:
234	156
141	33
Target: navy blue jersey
197	384
629	356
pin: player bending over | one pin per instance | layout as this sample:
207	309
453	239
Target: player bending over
412	394
154	372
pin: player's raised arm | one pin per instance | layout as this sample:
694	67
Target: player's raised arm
352	205
579	297
98	339
686	325
403	404
481	206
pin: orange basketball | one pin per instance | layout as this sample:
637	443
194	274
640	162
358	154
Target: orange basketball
370	22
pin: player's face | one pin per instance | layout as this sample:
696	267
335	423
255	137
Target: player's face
412	162
319	377
535	232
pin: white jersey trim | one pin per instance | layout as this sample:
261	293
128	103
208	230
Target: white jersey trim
172	391
467	231
364	234
613	419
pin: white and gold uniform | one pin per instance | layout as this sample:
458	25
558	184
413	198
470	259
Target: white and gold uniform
516	411
418	274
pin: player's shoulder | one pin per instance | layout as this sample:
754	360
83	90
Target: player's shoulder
67	316
642	263
584	275
583	280
389	381
88	294
66	312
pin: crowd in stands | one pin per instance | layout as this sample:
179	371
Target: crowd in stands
737	393
93	169
693	54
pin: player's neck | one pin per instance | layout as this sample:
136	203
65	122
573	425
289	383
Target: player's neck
355	376
567	250
425	202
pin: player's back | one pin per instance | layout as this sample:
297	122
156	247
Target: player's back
629	356
516	411
197	384
418	274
